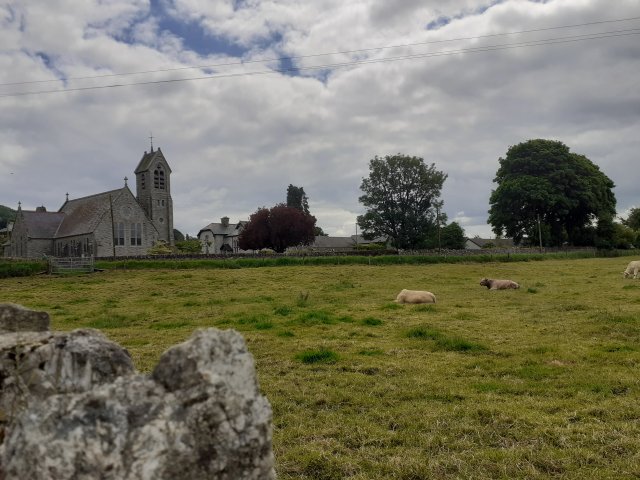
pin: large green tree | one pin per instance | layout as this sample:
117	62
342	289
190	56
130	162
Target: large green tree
541	180
633	220
296	198
401	195
277	228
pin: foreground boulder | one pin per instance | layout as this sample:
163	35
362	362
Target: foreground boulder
198	415
35	365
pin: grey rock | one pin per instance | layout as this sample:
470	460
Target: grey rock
199	415
16	318
36	365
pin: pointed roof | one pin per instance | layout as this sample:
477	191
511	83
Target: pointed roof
148	158
82	215
41	224
228	230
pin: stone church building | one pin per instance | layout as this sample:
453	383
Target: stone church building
109	224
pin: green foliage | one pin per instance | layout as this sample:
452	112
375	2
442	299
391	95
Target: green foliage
542	178
277	228
257	262
6	215
633	220
192	245
160	248
178	236
450	237
624	236
10	268
296	198
401	196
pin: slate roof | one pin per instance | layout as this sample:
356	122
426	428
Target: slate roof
82	215
42	224
497	242
148	158
363	241
230	230
323	241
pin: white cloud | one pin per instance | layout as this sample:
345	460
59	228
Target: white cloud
234	144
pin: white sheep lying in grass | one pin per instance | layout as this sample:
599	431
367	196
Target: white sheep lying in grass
415	296
498	284
632	269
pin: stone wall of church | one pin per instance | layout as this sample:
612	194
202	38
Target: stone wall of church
22	247
38	247
128	213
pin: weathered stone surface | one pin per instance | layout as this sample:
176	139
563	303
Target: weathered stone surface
36	365
16	318
199	415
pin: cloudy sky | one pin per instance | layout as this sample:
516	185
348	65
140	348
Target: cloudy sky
245	97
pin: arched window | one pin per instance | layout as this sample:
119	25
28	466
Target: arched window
158	177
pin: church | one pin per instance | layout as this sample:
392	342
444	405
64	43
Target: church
109	224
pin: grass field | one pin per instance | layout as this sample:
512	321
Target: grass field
541	382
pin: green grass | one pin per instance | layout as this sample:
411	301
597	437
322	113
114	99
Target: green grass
321	355
485	384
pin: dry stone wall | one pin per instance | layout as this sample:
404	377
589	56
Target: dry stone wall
73	407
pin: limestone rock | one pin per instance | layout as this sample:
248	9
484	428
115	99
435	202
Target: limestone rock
36	365
199	415
16	318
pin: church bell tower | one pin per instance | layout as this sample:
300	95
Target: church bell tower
153	191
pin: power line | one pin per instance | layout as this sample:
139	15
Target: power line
299	57
488	48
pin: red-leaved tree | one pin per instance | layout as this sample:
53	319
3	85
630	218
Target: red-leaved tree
277	228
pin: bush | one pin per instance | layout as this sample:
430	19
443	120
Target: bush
160	248
21	268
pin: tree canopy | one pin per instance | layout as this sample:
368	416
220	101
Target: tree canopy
6	215
543	179
633	220
277	228
296	198
401	196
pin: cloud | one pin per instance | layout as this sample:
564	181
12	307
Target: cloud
235	143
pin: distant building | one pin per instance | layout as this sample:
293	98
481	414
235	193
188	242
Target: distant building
478	243
221	237
325	243
109	224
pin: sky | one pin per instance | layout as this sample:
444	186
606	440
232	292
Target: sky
245	97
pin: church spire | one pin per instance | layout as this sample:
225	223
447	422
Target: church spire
151	139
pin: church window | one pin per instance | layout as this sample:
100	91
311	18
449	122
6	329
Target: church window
142	181
158	177
136	234
118	239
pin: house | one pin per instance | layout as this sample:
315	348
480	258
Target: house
478	243
109	224
221	237
325	243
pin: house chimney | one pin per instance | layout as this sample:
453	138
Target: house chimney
225	221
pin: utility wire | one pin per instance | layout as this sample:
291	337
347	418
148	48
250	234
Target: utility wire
343	52
487	48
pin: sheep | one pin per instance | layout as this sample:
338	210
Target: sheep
498	284
415	296
632	269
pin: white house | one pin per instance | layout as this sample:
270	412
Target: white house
221	237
